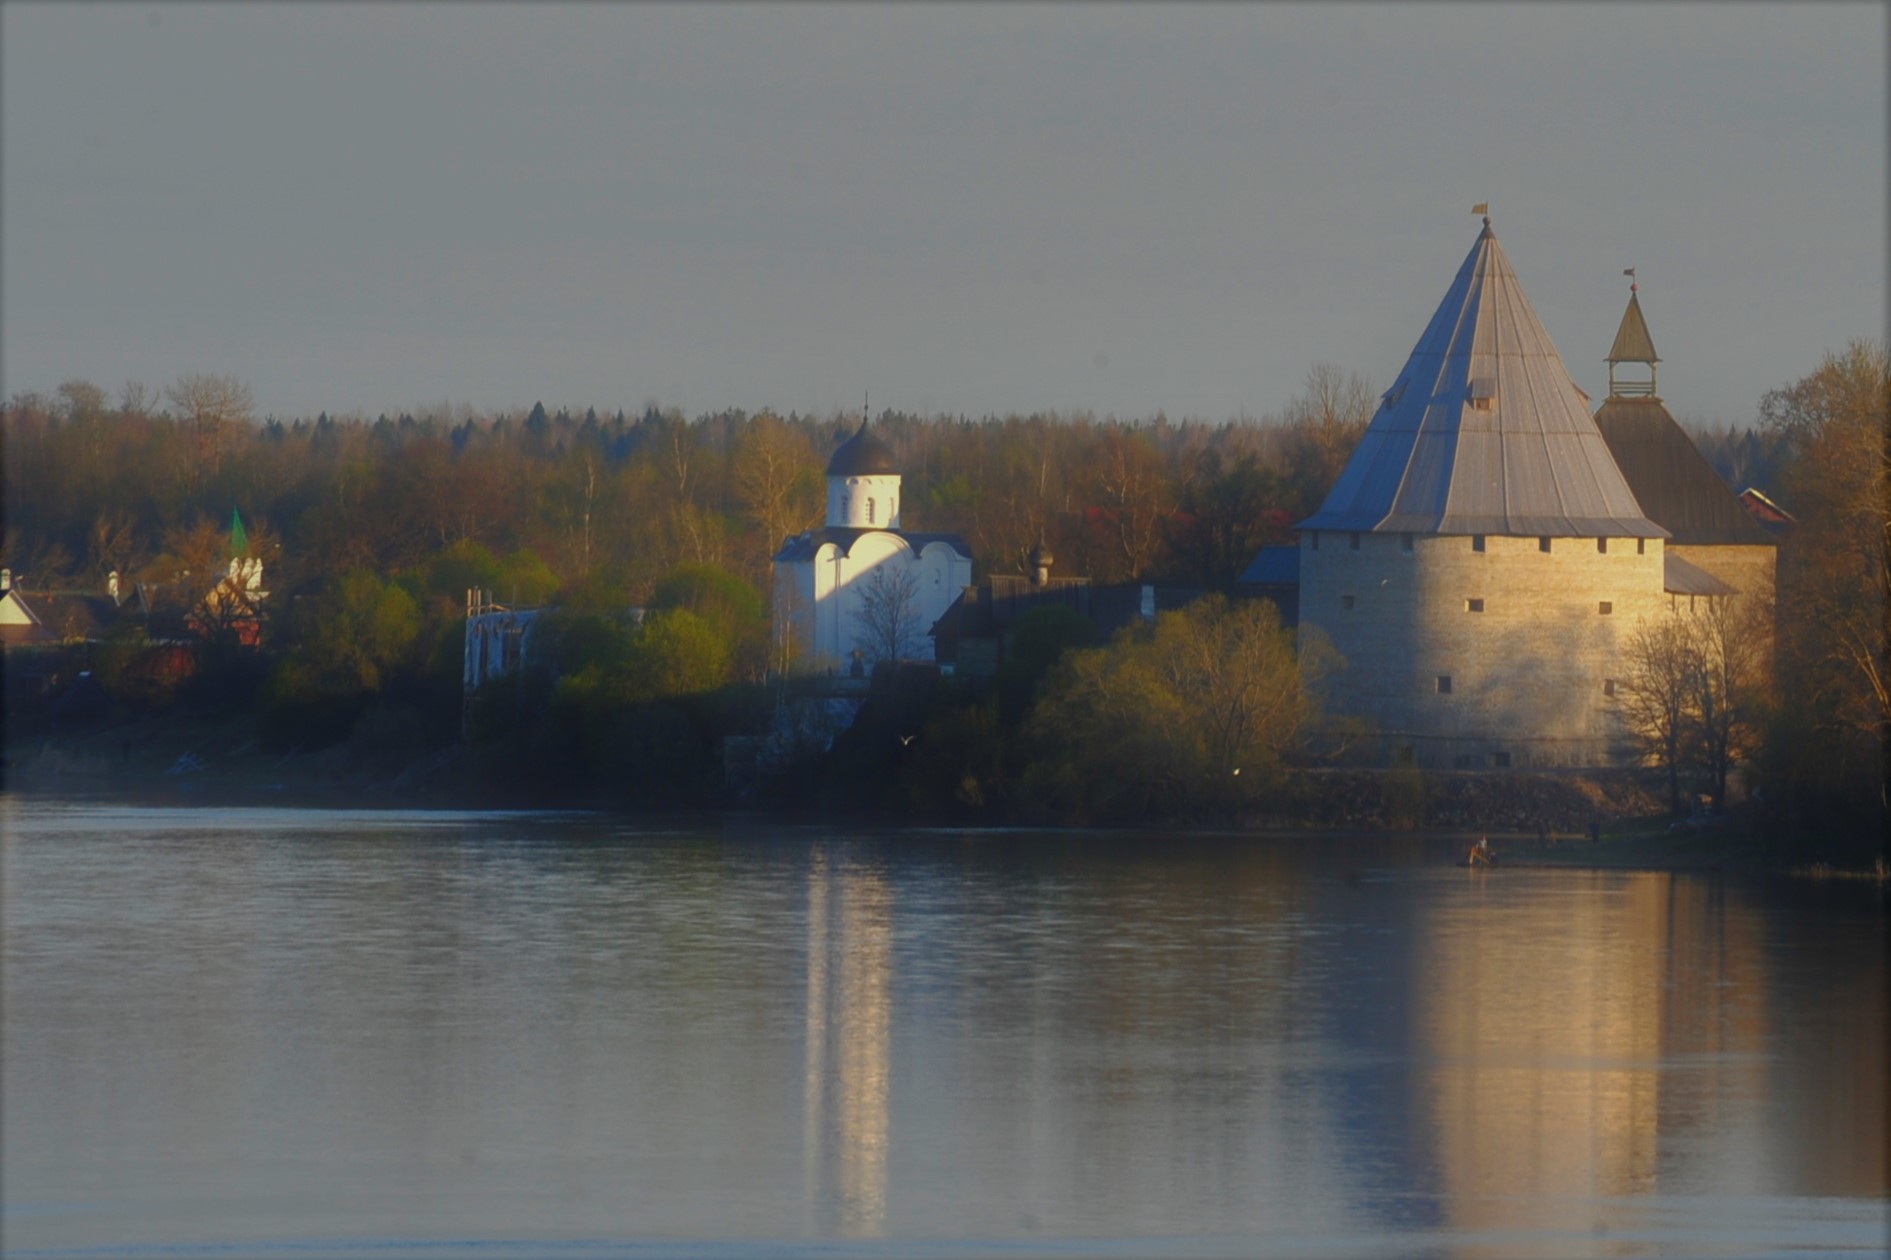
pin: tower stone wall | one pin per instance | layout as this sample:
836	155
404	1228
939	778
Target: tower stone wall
1529	640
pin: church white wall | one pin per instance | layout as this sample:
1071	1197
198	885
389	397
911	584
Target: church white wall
1527	674
864	502
819	601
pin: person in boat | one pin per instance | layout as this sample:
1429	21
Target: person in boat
1480	852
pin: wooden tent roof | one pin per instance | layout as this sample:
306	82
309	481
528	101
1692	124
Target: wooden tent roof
1675	485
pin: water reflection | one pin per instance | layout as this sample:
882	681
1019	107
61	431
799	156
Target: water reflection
1541	1045
1645	1037
557	1029
849	1023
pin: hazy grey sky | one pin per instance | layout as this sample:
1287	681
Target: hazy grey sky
962	208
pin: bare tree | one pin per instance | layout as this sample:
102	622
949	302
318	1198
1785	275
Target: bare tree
1133	499
1835	568
1729	642
777	482
887	625
135	399
211	405
1662	689
1331	412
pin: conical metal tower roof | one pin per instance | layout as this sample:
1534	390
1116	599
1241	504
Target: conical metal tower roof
1484	432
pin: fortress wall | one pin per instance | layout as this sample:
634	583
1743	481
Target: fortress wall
1526	673
1749	570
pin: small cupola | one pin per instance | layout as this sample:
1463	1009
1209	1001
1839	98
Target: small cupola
863	484
1041	560
1632	345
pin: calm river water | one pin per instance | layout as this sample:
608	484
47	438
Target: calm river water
298	1033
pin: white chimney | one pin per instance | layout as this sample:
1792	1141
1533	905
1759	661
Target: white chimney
111	585
6	579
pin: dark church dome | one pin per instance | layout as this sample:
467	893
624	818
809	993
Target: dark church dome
862	455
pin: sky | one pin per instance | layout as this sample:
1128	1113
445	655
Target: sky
964	209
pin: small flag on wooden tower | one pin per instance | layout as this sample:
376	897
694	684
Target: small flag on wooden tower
1482	207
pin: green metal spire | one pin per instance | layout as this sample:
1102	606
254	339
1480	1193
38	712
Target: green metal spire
239	540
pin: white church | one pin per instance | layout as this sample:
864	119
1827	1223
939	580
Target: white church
826	579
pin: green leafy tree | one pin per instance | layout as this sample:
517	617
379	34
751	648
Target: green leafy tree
1196	710
676	653
358	634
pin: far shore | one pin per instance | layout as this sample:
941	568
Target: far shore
162	773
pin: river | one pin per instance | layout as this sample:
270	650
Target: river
303	1033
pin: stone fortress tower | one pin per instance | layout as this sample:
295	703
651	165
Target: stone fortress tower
1481	560
823	577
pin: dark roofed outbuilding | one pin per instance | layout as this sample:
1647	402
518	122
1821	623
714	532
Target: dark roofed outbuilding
1675	485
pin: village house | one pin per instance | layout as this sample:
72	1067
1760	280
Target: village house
48	618
973	637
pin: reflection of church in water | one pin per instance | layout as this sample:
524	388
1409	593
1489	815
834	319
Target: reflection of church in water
846	1075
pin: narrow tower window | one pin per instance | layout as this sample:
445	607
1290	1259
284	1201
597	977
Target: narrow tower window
869	511
1477	542
1354	542
1605	608
1444	684
1473	605
1602	546
1641	546
1543	542
1608	687
1405	542
1316	540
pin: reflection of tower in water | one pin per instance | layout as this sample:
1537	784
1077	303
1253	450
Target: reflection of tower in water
849	1018
1548	1024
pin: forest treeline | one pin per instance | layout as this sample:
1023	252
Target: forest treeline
141	483
371	530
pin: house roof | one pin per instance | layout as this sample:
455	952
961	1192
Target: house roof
862	455
1672	480
1771	516
60	616
1274	566
1483	432
803	546
993	606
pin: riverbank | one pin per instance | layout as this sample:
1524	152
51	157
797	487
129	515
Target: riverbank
1535	819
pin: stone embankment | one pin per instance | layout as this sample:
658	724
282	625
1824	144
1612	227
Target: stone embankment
1529	803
